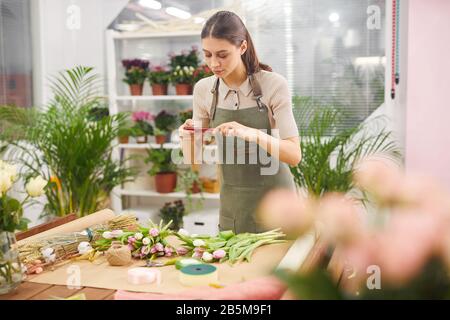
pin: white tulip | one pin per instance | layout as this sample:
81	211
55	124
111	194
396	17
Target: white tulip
138	236
183	232
199	243
145	241
191	68
47	252
5	181
35	187
84	247
207	257
107	235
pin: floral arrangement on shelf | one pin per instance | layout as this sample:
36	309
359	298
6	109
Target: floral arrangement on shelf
187	58
135	71
159	75
145	243
399	251
173	211
142	120
226	246
182	75
164	123
201	72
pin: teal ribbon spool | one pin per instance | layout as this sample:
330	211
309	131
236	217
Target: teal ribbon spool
198	274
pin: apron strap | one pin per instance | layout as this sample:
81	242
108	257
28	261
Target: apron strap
215	93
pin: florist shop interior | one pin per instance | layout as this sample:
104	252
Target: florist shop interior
224	149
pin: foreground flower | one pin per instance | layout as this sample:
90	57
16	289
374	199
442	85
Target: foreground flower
182	251
145	241
35	187
116	233
138	236
159	247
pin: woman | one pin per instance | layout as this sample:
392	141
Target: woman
246	101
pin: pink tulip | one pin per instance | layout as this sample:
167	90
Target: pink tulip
182	251
159	247
219	254
285	209
154	232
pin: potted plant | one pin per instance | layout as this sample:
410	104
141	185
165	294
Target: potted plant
164	124
173	211
163	169
159	78
125	131
182	78
135	74
190	183
143	127
188	58
201	72
11	219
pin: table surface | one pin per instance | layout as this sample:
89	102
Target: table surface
38	291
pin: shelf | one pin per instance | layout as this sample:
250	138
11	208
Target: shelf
137	35
169	145
154	98
150	193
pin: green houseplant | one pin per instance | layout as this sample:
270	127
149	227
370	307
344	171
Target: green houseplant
183	79
164	124
190	183
163	169
173	211
11	219
331	152
159	78
135	75
185	115
65	147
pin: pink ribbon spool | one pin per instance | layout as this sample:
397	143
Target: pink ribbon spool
144	276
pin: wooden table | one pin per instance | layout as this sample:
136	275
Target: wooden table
37	291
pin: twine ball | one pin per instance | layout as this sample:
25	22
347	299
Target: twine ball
118	254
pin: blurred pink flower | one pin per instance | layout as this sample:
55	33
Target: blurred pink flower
340	220
141	116
285	209
219	254
381	178
168	251
159	247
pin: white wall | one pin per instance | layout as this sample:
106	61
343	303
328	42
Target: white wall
57	47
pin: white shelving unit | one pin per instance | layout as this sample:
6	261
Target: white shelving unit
202	221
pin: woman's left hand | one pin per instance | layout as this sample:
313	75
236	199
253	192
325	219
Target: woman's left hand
238	130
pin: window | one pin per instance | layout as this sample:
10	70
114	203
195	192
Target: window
15	53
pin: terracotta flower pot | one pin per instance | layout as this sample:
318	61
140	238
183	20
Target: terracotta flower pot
159	89
166	182
136	89
123	140
160	139
141	139
183	89
195	187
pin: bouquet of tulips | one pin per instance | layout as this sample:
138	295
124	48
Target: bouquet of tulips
144	243
226	246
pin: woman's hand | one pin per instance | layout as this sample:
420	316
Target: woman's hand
189	123
238	130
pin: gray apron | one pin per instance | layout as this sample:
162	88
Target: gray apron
242	184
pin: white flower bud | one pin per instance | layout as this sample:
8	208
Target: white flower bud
199	243
35	187
138	236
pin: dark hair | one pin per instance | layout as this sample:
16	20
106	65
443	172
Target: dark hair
228	26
